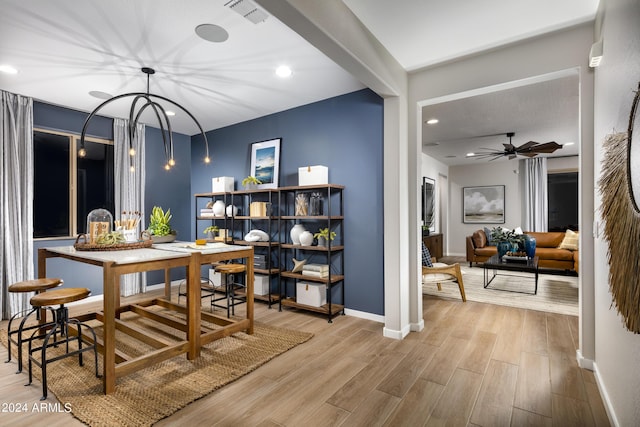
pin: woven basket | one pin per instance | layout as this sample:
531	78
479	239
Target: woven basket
81	244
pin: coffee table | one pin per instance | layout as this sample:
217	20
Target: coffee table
495	264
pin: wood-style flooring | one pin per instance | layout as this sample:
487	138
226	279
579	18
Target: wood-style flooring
473	365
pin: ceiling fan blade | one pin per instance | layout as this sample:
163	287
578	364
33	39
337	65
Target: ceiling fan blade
526	146
530	154
547	147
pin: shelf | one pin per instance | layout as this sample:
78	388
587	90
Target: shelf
265	298
212	217
312	187
255	218
264	271
261	244
312	248
313	218
335	278
335	308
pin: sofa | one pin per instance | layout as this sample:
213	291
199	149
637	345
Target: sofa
555	250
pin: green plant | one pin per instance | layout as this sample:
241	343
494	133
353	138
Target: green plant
159	222
250	180
499	234
325	233
211	229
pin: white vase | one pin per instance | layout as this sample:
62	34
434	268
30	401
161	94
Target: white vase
232	210
306	238
296	230
218	208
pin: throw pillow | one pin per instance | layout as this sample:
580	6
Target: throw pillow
570	241
487	232
479	239
426	256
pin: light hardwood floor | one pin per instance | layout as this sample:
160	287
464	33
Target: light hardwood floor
473	365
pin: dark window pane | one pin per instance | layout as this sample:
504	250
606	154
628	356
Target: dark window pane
563	201
95	182
51	185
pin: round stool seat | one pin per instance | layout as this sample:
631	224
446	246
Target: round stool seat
35	285
230	268
59	296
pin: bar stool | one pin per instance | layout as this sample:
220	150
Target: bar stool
230	286
207	289
37	286
61	324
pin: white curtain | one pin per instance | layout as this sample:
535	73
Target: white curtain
129	189
16	194
536	194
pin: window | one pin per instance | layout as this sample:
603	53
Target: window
60	208
563	201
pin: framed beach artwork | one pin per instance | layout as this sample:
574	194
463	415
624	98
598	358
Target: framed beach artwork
483	205
265	162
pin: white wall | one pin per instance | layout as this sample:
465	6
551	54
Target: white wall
617	350
436	170
563	164
482	174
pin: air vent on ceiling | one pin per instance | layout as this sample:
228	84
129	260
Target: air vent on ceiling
430	144
248	9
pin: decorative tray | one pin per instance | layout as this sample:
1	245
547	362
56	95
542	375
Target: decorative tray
512	258
82	244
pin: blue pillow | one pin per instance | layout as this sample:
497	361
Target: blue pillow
426	256
487	232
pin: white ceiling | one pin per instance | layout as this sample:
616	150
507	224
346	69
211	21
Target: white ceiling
65	48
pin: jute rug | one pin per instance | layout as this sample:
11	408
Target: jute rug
147	396
556	293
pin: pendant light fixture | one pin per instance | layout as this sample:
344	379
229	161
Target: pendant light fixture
148	101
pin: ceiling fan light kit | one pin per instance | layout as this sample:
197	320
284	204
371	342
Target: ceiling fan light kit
528	149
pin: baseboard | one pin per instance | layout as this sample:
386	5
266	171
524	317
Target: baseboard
417	327
606	400
584	363
364	315
396	334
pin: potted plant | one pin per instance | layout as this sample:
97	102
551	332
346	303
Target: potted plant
506	240
211	231
324	235
159	226
425	230
250	182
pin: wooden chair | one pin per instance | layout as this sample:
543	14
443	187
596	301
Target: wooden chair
444	273
228	271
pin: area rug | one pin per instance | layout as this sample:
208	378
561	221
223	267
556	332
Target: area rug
556	293
147	396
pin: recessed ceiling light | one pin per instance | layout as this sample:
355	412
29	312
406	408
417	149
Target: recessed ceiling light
100	95
169	113
284	71
568	143
212	33
471	154
8	69
432	121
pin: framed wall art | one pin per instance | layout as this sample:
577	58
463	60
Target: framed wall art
483	205
265	162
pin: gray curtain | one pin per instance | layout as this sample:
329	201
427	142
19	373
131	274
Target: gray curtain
536	194
129	189
16	194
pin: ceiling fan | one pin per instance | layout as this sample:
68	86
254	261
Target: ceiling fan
528	149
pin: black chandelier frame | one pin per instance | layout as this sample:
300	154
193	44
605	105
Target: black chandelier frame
134	117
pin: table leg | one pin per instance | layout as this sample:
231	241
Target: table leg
111	289
250	302
167	284
193	306
42	273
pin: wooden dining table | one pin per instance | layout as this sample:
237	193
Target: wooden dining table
158	257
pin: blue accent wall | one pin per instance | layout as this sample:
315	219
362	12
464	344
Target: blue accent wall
344	133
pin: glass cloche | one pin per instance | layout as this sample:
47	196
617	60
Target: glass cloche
99	221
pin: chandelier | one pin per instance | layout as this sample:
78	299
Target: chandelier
148	101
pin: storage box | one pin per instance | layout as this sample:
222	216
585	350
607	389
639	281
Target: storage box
261	284
215	277
222	184
313	294
258	209
313	175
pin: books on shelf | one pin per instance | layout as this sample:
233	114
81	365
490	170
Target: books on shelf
315	270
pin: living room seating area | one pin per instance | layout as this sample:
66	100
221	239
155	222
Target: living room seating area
555	250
